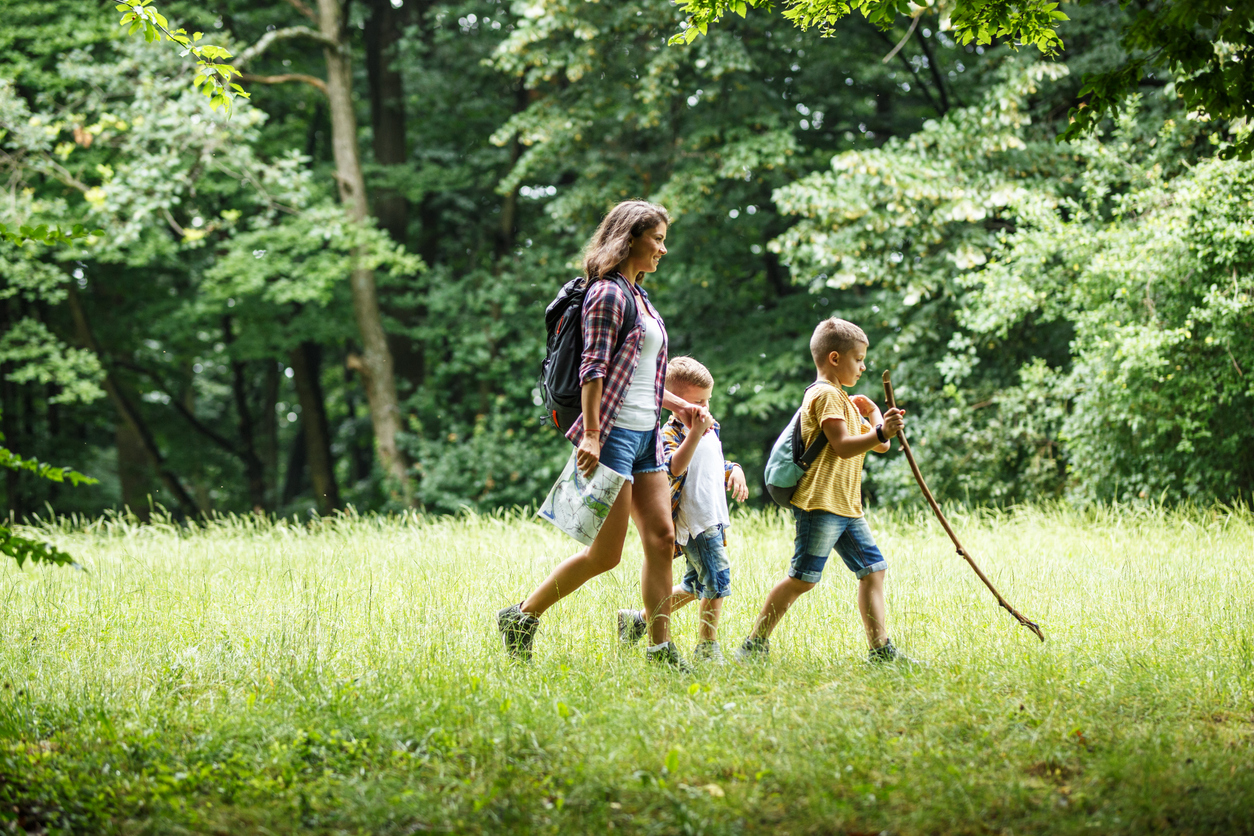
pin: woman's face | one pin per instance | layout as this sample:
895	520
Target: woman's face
647	249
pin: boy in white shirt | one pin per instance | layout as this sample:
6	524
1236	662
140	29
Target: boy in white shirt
700	478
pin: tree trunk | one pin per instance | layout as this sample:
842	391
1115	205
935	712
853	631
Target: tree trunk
127	411
8	428
270	432
294	474
254	470
387	110
376	359
306	361
384	27
132	470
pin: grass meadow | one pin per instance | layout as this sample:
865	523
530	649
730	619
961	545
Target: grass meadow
345	676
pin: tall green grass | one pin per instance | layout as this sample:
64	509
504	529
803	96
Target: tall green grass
345	675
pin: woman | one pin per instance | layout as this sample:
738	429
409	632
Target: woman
622	398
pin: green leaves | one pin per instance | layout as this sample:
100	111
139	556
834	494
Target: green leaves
213	77
1205	47
43	470
23	549
42	234
1018	22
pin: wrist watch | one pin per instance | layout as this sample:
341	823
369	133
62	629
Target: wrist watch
879	433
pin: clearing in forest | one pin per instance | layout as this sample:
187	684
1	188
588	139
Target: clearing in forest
347	677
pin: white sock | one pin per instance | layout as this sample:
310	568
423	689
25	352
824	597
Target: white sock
655	648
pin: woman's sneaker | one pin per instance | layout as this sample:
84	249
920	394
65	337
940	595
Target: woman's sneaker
518	631
631	625
668	654
888	652
753	650
709	653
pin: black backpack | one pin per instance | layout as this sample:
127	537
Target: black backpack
559	375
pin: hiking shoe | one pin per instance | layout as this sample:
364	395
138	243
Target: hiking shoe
518	631
709	653
631	625
668	654
889	653
753	650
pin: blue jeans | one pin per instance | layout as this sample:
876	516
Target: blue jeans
818	532
631	451
709	571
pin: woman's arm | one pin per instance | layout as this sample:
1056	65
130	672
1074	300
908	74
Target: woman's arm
687	412
589	451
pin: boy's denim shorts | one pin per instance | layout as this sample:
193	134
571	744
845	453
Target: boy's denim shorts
631	451
709	572
818	532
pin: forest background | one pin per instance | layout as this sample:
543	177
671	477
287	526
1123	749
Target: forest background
1068	320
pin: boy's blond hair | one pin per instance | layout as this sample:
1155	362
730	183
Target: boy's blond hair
835	334
686	371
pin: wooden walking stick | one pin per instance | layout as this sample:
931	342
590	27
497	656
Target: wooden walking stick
918	477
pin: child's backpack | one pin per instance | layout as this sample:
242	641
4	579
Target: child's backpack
790	459
559	375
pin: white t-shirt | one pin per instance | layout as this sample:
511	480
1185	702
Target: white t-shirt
703	503
639	409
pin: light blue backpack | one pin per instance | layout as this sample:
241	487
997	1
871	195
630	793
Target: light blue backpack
790	459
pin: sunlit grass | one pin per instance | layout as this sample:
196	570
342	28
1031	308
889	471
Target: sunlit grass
347	676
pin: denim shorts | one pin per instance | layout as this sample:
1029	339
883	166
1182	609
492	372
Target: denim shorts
709	572
631	451
818	532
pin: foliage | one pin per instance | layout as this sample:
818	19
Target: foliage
1206	46
213	77
1094	303
394	710
1018	21
42	234
22	548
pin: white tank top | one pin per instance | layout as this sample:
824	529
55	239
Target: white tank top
639	409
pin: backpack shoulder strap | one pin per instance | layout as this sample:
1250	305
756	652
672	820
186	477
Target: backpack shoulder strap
815	447
630	313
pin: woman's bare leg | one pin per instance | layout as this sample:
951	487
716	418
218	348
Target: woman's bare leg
651	509
603	555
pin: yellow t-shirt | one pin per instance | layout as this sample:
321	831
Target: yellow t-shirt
831	484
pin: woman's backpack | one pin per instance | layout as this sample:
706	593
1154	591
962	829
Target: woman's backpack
790	459
563	322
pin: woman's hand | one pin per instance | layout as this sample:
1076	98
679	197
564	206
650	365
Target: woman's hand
739	489
588	454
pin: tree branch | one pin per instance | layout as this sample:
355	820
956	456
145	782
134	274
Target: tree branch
914	23
267	40
303	9
286	77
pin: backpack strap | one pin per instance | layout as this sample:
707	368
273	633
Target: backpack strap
815	447
630	313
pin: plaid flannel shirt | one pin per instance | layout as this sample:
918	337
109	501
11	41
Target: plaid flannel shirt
603	311
673	435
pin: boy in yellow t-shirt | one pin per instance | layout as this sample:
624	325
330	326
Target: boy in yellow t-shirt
827	504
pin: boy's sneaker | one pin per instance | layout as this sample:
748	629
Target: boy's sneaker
518	631
753	650
668	654
631	625
889	653
709	653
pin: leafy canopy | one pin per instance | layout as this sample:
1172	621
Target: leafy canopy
1019	21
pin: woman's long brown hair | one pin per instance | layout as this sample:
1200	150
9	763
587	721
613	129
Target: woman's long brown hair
612	240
